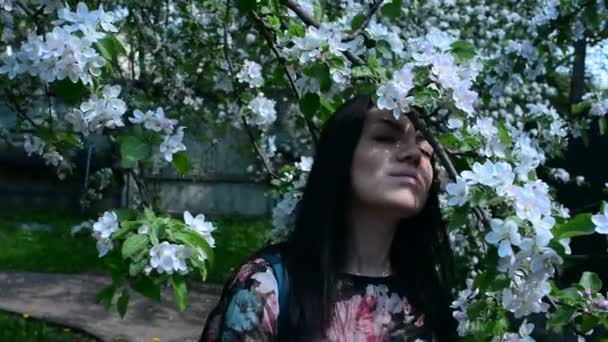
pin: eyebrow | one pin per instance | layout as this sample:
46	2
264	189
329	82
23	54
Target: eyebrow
391	123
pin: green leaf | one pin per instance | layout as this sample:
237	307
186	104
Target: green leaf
580	107
591	281
246	5
361	71
309	104
569	295
134	244
68	138
603	125
463	50
296	29
126	227
421	76
71	93
474	310
194	240
320	71
384	48
505	139
587	322
460	216
392	10
109	47
123	303
106	295
133	150
136	267
357	21
585	138
579	225
181	162
146	287
491	281
125	214
560	318
449	140
179	290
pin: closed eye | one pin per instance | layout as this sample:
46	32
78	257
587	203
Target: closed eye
385	139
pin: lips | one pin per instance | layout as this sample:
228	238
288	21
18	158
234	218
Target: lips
411	177
404	173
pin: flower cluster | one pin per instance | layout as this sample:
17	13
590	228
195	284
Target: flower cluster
65	52
264	113
99	112
165	256
251	73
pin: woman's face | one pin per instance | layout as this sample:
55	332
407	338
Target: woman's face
391	166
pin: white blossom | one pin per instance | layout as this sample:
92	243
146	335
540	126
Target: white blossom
169	258
173	144
503	234
199	225
394	95
33	145
251	73
601	221
305	164
264	113
106	225
104	245
458	192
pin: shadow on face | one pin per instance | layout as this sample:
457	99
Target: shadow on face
391	168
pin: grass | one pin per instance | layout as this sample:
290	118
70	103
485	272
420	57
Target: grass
235	239
18	328
57	251
54	250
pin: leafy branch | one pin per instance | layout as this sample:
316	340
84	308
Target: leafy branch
414	115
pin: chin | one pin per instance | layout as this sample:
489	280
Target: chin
406	206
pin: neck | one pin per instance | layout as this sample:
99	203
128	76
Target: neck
370	234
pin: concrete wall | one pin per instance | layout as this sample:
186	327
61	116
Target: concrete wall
218	183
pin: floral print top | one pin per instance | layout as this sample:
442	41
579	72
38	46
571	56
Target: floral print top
366	310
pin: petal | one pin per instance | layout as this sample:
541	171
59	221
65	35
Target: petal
505	248
188	217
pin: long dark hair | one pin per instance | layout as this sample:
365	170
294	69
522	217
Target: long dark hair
314	253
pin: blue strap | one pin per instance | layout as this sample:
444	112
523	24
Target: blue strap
282	284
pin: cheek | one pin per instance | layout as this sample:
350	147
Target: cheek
366	169
427	173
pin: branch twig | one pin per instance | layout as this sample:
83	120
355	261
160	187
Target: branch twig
235	86
270	40
374	8
414	116
443	158
310	21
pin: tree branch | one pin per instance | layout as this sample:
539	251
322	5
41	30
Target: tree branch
577	82
270	40
239	101
310	21
443	157
414	116
374	8
143	189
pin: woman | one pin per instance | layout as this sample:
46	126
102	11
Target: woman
368	259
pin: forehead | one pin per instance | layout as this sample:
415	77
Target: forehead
379	117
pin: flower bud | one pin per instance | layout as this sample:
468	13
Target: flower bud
586	293
602	304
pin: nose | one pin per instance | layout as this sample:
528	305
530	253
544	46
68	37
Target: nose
409	152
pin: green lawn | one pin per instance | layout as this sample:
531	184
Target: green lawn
19	328
45	251
57	251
